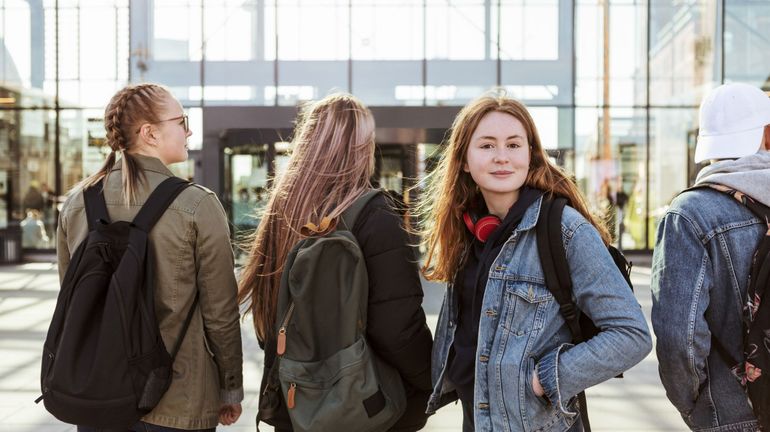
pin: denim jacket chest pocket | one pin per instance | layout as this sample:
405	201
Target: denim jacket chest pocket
525	305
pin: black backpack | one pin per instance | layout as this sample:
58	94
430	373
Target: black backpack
104	362
752	370
553	259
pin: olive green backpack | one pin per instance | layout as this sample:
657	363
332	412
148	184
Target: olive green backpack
328	376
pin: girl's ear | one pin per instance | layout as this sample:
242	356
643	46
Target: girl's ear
147	134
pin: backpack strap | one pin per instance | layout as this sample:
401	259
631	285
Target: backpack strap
760	268
96	208
158	202
185	326
553	259
350	215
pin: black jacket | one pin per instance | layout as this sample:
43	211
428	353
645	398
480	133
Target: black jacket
396	327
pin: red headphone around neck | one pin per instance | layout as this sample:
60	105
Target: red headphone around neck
483	227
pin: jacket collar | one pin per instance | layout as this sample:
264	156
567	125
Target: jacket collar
147	163
529	220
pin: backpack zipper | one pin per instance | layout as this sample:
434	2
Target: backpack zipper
290	395
46	390
281	348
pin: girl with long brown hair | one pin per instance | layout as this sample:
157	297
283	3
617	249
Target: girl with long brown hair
330	167
147	130
502	346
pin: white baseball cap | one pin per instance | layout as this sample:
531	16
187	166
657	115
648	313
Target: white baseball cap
732	120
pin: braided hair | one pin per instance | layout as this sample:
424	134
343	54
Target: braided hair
127	110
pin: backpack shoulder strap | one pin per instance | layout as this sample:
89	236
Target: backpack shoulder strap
553	259
350	215
158	202
96	208
761	259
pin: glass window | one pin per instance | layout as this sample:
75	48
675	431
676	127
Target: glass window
313	30
240	52
682	51
627	53
33	202
387	58
181	40
374	35
610	170
529	30
672	138
313	48
747	42
458	30
460	51
17	43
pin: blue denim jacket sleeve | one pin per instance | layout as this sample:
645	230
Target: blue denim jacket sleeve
600	292
681	275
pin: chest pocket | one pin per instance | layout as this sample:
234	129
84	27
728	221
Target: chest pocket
525	306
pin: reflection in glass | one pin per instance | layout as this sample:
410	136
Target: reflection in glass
387	64
626	42
612	174
682	51
529	30
671	133
747	42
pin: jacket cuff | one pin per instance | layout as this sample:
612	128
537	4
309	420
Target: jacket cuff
548	374
230	397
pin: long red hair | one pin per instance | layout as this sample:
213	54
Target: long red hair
451	190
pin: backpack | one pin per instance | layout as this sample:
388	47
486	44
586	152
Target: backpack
104	362
325	371
553	259
752	370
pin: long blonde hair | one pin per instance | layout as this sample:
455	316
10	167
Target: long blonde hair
130	107
451	191
330	166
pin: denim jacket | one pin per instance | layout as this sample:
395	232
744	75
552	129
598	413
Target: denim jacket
699	279
522	332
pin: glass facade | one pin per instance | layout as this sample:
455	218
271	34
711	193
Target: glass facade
614	85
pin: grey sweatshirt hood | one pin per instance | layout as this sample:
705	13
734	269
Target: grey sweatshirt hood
749	174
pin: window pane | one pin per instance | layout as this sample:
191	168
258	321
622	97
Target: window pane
458	30
240	52
17	54
313	30
529	30
610	170
747	42
387	30
627	53
682	58
672	138
176	30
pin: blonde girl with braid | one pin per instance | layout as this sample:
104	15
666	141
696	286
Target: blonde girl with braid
147	130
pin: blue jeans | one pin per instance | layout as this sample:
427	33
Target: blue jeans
143	427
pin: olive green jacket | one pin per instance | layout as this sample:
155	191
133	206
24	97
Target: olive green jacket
192	249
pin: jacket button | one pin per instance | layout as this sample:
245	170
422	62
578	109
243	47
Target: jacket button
451	323
491	313
484	358
483	406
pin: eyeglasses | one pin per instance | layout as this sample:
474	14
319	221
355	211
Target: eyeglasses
185	122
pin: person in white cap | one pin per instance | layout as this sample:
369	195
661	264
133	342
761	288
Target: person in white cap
702	261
